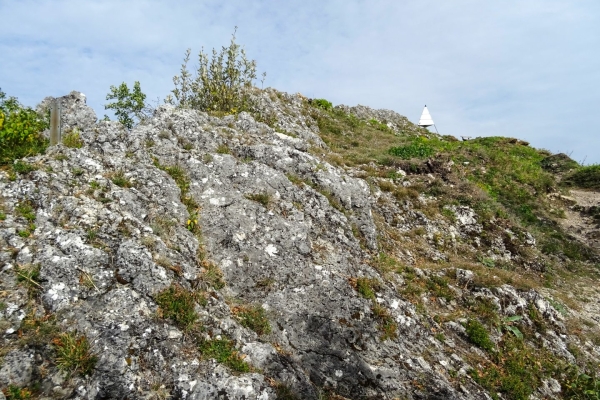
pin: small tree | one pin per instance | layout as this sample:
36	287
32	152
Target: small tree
129	105
222	82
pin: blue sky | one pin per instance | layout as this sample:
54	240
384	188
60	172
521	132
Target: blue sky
521	68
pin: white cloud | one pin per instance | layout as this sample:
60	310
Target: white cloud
523	68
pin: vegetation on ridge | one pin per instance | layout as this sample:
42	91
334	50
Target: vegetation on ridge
20	130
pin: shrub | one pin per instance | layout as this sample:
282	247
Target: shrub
324	104
129	105
20	130
222	83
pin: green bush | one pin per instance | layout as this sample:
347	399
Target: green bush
324	104
128	105
222	83
20	130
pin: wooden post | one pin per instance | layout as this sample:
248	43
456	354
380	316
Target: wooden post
54	122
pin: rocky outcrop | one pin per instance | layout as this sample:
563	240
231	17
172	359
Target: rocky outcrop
290	233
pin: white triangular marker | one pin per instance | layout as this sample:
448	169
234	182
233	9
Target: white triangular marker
426	119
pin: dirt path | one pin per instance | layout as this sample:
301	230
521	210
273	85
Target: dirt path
580	221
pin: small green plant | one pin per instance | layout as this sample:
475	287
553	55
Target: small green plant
26	211
487	261
29	276
22	167
507	324
212	275
478	335
262	198
77	171
439	287
387	326
129	105
223	149
177	304
284	392
13	392
73	140
192	223
73	354
364	286
224	352
253	317
119	179
91	235
2	215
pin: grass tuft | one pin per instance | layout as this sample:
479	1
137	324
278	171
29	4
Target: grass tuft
73	354
253	317
177	304
73	140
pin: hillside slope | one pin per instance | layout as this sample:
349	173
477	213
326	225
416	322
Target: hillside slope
320	253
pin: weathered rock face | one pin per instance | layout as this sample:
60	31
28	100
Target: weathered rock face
75	114
296	253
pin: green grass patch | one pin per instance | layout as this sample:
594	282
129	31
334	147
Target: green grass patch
26	210
22	167
13	392
517	369
224	352
223	149
119	179
365	287
261	198
211	275
417	149
73	140
438	286
253	317
386	324
177	304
